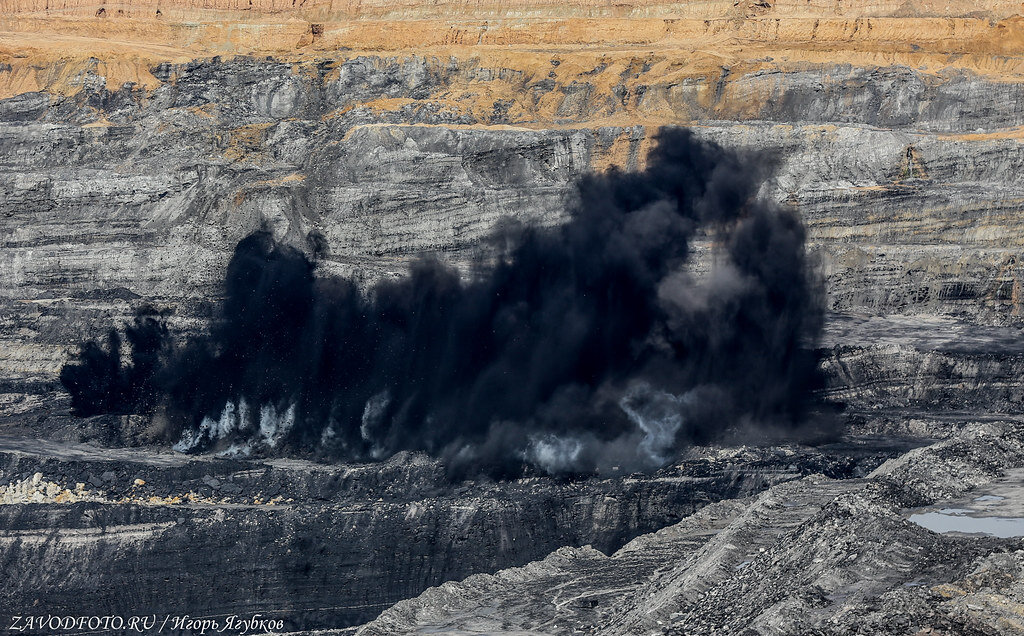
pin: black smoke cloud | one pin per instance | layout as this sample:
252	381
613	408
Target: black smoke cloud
581	347
101	382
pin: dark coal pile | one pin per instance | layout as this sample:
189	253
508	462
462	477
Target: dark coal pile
578	348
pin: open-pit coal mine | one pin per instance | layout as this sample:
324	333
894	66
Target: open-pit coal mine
532	318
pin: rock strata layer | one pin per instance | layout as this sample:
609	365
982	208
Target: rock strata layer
140	140
132	161
812	556
321	546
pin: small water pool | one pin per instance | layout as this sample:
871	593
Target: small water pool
997	510
1004	527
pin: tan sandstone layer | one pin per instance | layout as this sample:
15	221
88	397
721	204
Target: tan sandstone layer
46	44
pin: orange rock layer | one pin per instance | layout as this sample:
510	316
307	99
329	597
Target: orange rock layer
518	9
46	44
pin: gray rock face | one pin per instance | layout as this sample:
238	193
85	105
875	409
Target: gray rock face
110	198
805	557
324	546
908	186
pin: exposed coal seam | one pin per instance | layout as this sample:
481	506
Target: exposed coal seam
579	348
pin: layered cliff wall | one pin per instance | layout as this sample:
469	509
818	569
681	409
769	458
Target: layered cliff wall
140	140
135	532
136	148
42	39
